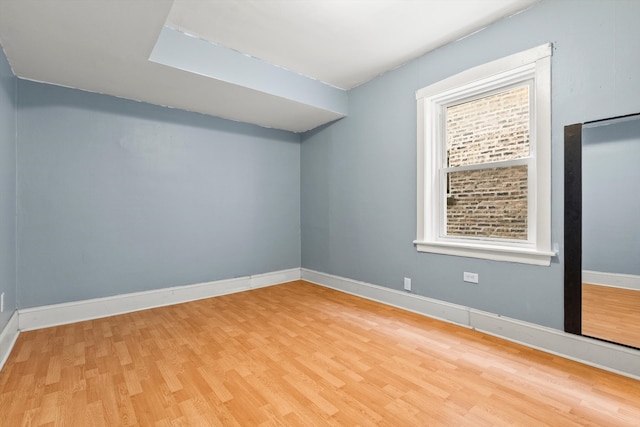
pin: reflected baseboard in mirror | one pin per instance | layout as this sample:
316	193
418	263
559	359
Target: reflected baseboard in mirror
611	313
602	234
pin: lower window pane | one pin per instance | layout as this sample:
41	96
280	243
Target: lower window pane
488	203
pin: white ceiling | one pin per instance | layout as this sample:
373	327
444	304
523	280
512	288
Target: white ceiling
105	46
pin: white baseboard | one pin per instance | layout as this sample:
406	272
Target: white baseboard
411	302
614	358
627	281
77	311
8	337
622	360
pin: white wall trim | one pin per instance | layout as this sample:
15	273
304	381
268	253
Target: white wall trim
8	337
618	359
77	311
600	354
616	280
411	302
528	68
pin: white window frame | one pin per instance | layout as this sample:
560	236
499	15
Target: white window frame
533	65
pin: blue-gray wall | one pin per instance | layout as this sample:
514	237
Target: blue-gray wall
116	196
359	174
8	84
611	198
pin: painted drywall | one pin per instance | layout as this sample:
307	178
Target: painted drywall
359	174
117	196
179	50
611	198
8	111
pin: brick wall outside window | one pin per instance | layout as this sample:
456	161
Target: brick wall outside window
489	202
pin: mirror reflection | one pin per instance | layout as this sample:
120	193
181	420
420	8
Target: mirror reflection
611	230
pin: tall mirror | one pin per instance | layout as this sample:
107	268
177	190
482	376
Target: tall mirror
602	229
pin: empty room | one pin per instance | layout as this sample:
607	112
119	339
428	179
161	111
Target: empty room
319	212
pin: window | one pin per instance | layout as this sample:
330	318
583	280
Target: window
484	161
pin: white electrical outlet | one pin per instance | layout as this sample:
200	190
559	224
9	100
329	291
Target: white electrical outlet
470	277
407	284
1	302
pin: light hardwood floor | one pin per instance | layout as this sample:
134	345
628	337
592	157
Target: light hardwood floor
297	355
611	313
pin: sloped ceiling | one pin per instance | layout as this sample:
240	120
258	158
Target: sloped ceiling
285	64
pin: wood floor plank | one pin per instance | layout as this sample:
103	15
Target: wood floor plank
297	355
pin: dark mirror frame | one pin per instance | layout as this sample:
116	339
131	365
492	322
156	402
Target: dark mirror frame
573	228
573	224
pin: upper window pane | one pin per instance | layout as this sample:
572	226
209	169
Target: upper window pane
489	129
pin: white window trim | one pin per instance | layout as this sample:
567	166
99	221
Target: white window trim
531	64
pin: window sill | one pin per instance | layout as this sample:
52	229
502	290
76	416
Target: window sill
491	252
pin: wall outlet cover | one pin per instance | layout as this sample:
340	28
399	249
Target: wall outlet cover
470	277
